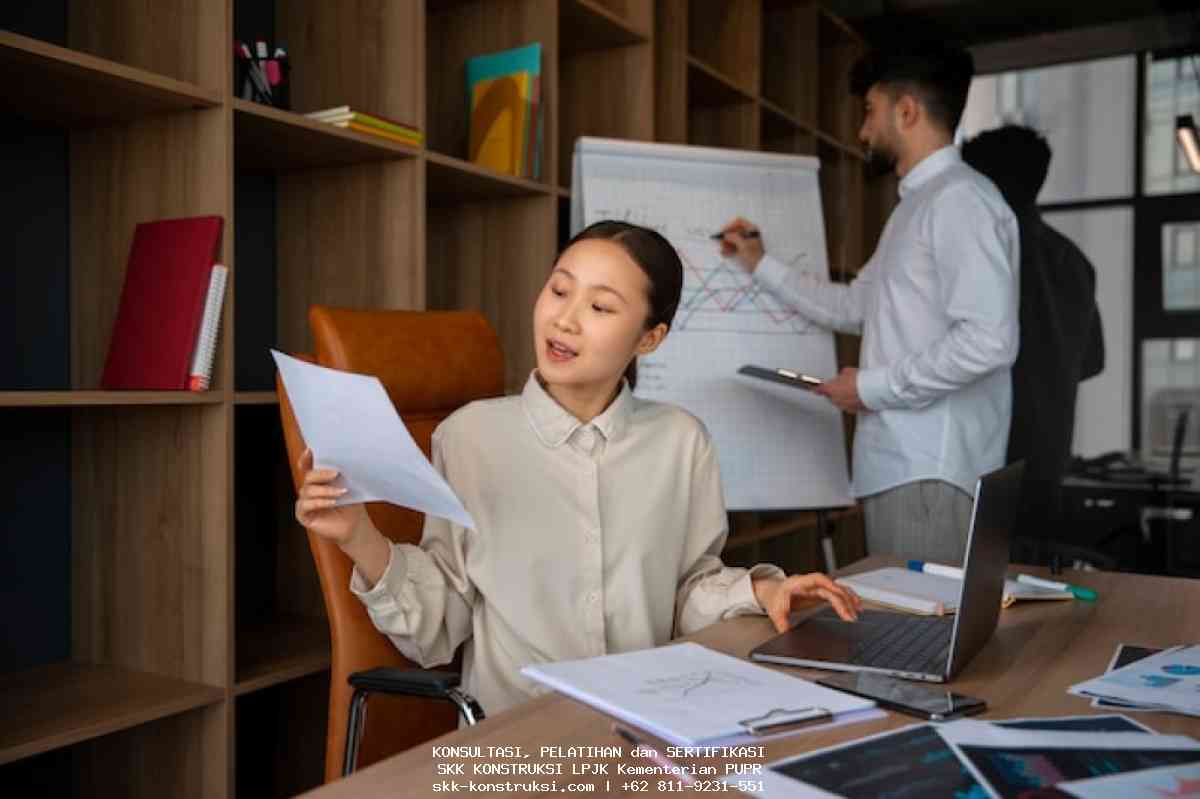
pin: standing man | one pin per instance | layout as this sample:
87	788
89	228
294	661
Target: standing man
936	306
1062	342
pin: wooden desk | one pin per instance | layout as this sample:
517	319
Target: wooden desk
1038	650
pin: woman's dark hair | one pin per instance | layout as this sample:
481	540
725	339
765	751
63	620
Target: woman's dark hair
657	258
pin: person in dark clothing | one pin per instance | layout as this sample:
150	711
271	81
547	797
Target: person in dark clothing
1062	342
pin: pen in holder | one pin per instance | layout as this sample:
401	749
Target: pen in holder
262	79
782	719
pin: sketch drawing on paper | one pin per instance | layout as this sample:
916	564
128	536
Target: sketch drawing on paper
707	684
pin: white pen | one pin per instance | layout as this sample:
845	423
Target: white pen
953	572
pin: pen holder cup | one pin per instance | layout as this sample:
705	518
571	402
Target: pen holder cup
248	83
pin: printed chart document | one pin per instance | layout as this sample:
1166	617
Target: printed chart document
1122	657
1169	680
1011	762
1160	783
350	424
692	696
911	761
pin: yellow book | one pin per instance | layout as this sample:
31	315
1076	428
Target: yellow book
498	122
383	134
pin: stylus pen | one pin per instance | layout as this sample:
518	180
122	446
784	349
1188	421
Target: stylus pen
952	572
1079	591
746	234
644	749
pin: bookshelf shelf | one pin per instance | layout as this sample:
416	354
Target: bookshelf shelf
65	703
255	398
842	147
47	83
281	649
839	113
76	399
269	139
587	25
708	87
782	132
450	179
781	116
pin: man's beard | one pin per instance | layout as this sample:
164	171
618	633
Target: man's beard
879	162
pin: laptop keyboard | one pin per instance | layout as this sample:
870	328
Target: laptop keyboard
907	643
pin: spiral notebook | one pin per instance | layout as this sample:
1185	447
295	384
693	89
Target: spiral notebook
200	373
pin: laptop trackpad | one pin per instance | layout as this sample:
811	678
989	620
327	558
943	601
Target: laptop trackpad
824	636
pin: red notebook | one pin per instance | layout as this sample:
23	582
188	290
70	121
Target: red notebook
162	303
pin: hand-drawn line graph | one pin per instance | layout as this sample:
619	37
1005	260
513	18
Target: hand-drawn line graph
696	685
719	296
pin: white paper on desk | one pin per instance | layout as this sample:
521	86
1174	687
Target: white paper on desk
691	695
1117	704
1153	783
931	594
351	425
1169	680
968	738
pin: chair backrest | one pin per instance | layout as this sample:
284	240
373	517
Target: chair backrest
431	363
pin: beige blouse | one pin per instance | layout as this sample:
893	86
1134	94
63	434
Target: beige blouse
593	538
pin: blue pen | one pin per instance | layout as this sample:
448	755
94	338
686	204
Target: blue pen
953	572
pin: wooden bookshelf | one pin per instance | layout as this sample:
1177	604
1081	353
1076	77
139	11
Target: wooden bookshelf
81	399
256	398
65	703
453	180
708	86
69	88
176	616
280	649
280	141
588	25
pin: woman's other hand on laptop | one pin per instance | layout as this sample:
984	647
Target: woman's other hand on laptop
780	597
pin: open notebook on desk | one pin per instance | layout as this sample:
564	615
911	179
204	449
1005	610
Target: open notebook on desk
931	594
690	695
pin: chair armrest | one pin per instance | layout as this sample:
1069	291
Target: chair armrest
407	682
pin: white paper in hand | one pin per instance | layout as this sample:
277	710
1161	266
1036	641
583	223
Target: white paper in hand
350	424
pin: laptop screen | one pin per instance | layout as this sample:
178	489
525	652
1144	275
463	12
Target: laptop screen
996	497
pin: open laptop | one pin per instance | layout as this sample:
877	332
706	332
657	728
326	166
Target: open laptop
932	648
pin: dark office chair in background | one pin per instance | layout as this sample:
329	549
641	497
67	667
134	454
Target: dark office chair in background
431	363
1141	539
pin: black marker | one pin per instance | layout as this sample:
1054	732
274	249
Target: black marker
748	234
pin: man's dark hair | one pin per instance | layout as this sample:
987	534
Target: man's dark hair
1016	159
936	73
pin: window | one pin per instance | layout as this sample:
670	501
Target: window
1103	411
1172	88
1170	387
1086	111
1180	267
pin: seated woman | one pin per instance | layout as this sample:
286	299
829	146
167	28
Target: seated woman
600	516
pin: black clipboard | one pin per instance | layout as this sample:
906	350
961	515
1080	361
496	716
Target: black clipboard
788	377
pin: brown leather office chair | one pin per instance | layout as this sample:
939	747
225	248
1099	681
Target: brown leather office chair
430	363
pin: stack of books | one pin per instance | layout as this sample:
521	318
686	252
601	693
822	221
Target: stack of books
371	124
504	97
